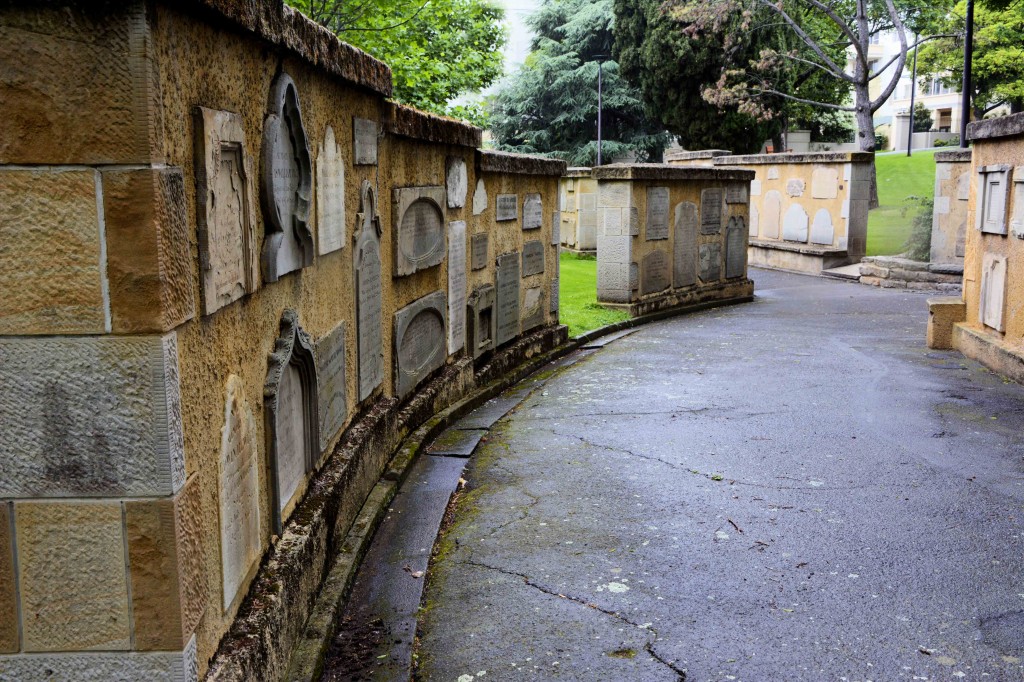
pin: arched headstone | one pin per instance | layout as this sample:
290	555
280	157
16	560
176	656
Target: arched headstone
684	245
368	295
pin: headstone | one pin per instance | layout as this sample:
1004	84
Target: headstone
238	494
1017	219
364	142
822	231
963	186
228	261
419	228
533	213
506	207
290	403
507	298
330	195
456	285
754	220
556	228
330	363
992	199
367	265
711	211
614	194
657	213
286	182
773	172
735	248
553	299
481	328
479	198
479	251
755	188
736	194
456	181
684	245
419	341
993	291
795	187
634	276
632	218
533	308
825	183
772	218
710	263
533	258
655	275
794	224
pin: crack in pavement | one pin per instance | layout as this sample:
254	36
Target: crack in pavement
647	628
687	410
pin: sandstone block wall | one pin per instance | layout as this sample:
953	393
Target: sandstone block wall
577	198
949	213
234	276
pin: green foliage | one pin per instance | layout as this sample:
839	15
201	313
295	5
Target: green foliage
437	49
550	105
952	142
577	303
828	126
919	243
899	177
881	141
922	118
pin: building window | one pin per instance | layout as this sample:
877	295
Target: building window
937	88
875	38
945	120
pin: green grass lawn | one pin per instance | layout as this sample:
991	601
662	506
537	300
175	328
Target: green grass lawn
577	296
899	177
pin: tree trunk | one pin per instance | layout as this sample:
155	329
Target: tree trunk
866	134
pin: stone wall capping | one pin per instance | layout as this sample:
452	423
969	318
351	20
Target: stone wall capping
1000	126
578	172
282	26
663	171
409	122
684	155
953	156
491	161
795	247
810	157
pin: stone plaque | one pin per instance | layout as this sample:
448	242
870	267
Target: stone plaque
533	308
533	213
795	187
330	195
290	402
507	298
655	275
506	207
710	263
238	494
367	267
330	363
754	216
556	228
993	291
479	251
755	188
479	198
684	245
456	285
735	248
736	194
286	183
772	218
773	172
419	341
657	213
634	276
481	328
228	261
614	194
553	299
533	258
794	224
963	186
418	214
992	198
711	211
456	182
364	142
822	231
825	183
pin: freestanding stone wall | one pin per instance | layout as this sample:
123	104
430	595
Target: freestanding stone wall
235	276
808	212
700	157
671	236
577	197
949	213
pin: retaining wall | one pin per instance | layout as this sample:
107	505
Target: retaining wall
949	212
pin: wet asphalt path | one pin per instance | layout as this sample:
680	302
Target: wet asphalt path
791	489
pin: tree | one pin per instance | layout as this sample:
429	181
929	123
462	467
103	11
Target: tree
550	105
922	118
437	49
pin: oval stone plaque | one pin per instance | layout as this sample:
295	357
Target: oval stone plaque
420	238
419	341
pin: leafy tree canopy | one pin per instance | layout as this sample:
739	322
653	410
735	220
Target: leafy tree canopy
437	49
922	118
550	105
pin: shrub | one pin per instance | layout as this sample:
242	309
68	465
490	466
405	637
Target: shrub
919	243
881	142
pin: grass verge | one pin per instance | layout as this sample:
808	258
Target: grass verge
577	296
899	177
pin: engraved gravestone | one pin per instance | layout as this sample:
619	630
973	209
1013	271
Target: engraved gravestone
456	285
772	218
479	251
456	181
364	142
655	274
228	261
419	341
634	276
507	298
330	195
479	198
238	494
533	258
794	224
533	308
825	183
993	291
533	213
711	211
736	194
657	213
480	332
556	228
506	207
286	184
795	187
684	245
419	228
735	248
330	362
366	255
710	263
822	231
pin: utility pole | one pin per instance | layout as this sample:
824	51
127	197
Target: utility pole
600	68
913	91
965	109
